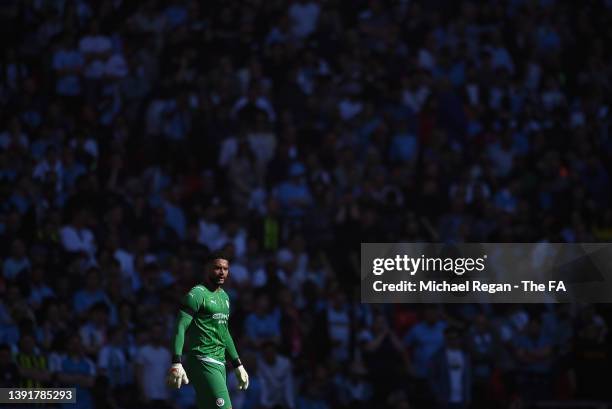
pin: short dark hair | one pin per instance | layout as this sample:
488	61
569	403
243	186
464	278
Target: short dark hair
215	255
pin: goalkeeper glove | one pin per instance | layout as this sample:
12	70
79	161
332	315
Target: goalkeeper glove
243	377
177	376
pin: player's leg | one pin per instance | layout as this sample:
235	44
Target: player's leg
218	384
209	383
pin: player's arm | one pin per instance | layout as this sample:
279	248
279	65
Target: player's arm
189	306
182	323
230	350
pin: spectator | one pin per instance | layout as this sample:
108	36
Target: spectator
114	365
14	138
276	378
451	373
17	262
592	354
241	276
294	194
294	256
244	176
339	327
304	15
534	350
94	332
77	238
39	290
91	294
425	339
269	229
68	63
384	357
354	390
312	399
54	324
51	169
263	325
76	369
33	365
12	311
483	347
152	361
9	373
270	277
95	48
175	218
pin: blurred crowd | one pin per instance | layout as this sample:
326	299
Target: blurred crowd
137	136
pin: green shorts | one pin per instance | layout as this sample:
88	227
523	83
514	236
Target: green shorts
209	381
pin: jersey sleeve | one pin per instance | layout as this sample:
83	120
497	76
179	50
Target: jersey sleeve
192	301
230	347
190	304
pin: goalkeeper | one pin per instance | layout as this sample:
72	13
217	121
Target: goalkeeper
202	333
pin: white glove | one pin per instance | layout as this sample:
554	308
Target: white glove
243	378
177	376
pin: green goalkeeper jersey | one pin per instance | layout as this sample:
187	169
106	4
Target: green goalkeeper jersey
202	327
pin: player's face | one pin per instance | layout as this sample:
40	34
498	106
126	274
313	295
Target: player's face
218	271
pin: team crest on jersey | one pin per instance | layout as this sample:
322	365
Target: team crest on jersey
220	402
